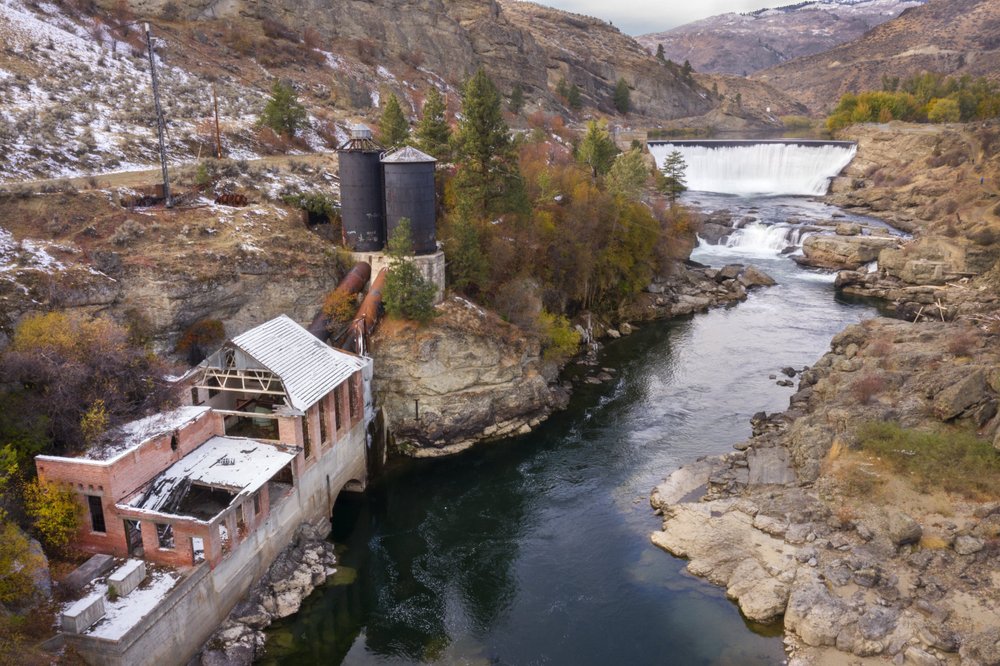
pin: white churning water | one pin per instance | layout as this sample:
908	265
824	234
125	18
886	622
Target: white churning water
759	168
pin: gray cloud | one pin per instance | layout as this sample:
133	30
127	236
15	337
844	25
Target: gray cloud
637	17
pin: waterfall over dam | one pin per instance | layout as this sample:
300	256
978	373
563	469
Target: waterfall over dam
772	167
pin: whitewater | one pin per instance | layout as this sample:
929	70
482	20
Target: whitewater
759	168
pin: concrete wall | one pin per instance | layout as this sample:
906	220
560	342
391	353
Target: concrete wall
180	625
431	266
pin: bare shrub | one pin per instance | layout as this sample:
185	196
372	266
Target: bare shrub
950	206
129	231
367	50
275	29
311	38
867	388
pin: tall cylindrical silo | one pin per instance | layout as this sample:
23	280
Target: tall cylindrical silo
362	206
409	193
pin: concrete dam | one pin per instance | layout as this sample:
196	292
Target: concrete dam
759	167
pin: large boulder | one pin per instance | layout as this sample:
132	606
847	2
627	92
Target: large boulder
961	395
842	252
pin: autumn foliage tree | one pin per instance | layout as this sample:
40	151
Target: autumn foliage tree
62	367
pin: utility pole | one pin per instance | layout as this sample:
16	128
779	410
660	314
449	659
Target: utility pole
160	128
218	135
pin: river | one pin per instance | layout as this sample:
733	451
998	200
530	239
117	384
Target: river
535	550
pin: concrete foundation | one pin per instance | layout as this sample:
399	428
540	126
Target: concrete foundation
431	266
127	577
98	565
83	613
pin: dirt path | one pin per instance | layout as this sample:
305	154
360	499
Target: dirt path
152	176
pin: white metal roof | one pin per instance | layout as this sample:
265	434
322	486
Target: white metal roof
308	368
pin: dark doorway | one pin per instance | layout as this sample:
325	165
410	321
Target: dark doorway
133	537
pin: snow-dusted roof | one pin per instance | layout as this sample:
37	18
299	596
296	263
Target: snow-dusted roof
308	368
126	437
405	155
236	464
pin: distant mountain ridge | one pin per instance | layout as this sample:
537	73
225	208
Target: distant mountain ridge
954	37
746	43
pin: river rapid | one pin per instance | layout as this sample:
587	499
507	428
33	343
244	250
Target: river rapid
535	550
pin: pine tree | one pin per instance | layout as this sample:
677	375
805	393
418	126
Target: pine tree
673	181
488	181
660	55
562	87
597	150
686	70
622	96
407	294
468	269
433	133
393	129
283	112
573	98
516	102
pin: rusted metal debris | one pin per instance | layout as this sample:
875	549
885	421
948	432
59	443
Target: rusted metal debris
232	199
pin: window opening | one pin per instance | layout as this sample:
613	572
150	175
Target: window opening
96	513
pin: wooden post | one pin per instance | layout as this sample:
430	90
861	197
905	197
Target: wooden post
160	127
218	134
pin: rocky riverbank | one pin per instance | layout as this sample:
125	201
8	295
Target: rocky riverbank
804	524
305	564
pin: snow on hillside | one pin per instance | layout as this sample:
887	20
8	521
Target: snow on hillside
75	99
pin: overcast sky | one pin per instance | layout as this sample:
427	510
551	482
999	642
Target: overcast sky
637	17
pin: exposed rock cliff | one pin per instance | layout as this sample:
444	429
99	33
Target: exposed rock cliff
472	376
798	522
169	268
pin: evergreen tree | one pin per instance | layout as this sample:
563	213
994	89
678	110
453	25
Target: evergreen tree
407	295
393	129
628	174
488	181
468	269
516	99
597	150
283	112
622	97
573	98
433	133
686	70
673	181
562	87
659	53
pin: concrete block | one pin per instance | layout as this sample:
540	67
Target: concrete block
85	612
127	577
98	565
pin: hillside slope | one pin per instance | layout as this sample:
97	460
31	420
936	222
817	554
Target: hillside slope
745	43
946	36
75	96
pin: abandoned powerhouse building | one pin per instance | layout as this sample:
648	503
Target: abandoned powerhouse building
272	430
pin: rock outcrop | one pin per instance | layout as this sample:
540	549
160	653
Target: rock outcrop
795	523
841	252
465	377
691	288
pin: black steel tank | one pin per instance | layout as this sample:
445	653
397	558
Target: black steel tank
409	193
362	206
